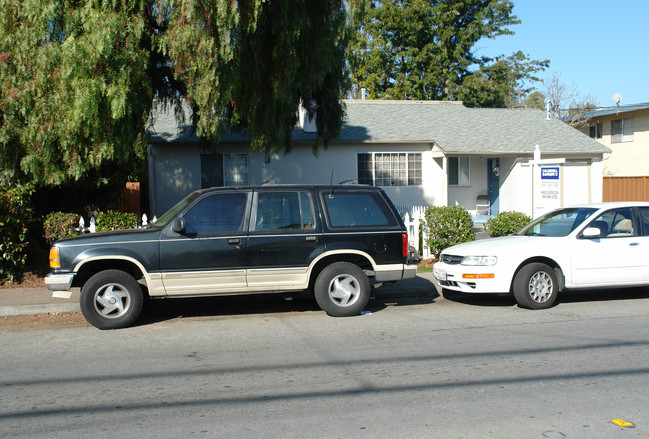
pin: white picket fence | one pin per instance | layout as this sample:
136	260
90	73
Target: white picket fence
413	217
92	227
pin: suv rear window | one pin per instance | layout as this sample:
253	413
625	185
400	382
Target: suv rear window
354	210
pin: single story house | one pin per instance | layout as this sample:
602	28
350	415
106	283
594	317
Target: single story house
422	153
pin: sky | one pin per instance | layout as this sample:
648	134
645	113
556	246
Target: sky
601	47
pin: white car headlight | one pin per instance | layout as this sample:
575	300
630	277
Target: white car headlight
479	260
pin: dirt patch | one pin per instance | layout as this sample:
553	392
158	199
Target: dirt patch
21	323
33	277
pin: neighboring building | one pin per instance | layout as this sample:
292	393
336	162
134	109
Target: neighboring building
422	153
625	130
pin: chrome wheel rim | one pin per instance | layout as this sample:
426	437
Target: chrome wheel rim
540	287
112	300
344	290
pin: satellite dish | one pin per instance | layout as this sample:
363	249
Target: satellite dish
617	98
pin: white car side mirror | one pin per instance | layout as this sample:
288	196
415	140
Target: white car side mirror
591	232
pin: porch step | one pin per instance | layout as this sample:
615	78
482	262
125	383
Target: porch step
480	233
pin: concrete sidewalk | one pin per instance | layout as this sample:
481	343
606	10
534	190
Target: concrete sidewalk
33	301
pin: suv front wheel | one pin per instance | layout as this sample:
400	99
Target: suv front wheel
111	299
342	289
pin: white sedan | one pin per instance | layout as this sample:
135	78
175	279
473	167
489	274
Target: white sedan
587	246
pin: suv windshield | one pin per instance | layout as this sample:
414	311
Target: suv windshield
171	213
557	223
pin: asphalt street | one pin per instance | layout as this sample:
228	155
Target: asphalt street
427	366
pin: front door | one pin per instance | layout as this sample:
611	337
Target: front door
209	255
616	257
493	180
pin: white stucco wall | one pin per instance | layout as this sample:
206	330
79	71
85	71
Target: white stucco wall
175	170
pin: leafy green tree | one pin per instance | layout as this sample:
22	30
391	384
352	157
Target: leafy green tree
77	78
75	87
423	49
507	82
249	65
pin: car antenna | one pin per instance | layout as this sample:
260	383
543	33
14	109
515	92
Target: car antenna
331	184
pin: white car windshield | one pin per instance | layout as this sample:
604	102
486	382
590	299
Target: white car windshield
557	223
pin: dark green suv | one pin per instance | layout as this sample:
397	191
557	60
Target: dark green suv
223	241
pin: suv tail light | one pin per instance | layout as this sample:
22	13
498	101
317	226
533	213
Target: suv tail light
404	239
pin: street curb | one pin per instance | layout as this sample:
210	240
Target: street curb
27	310
423	285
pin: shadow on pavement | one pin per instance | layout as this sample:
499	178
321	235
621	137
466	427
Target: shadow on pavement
159	310
568	296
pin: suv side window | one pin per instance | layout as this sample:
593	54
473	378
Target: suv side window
289	210
355	209
218	213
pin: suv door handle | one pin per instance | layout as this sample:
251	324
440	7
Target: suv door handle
311	238
234	241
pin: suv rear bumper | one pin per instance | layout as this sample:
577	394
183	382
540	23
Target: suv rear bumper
387	273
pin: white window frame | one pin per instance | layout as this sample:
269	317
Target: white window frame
463	176
625	133
398	172
234	169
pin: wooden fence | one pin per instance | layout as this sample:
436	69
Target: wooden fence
626	189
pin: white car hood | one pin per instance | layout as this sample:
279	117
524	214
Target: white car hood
493	246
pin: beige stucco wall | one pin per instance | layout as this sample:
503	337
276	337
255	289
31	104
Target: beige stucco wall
627	159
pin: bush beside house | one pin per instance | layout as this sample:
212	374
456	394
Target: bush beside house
115	220
59	225
15	219
506	223
447	226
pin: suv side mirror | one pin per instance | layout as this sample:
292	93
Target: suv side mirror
179	226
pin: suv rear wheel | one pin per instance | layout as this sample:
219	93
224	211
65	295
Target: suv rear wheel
111	299
342	289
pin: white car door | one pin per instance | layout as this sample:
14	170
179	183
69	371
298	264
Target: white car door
615	258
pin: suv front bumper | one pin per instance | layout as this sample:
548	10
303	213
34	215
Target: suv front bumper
59	282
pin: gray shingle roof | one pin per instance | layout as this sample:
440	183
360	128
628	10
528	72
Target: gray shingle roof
455	128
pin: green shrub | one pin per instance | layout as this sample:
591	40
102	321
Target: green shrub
114	220
447	226
506	223
59	225
15	217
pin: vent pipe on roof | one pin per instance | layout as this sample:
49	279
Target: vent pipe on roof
363	93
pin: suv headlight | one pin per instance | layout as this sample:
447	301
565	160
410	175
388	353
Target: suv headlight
479	260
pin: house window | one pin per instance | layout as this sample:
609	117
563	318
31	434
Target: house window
596	130
458	171
622	130
224	170
389	168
